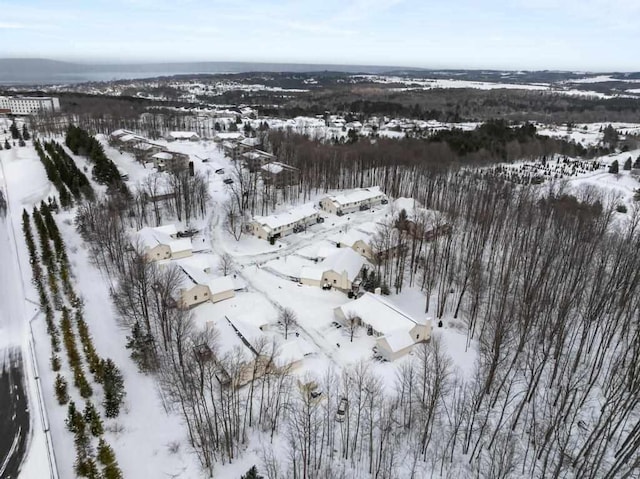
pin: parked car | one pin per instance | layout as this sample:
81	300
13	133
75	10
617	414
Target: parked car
384	201
342	409
364	207
228	181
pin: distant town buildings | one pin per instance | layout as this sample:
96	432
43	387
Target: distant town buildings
28	105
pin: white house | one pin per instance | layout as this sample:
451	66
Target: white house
162	243
228	136
362	198
338	270
396	331
283	224
182	135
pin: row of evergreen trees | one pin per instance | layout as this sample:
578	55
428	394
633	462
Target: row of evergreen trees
104	170
70	174
53	255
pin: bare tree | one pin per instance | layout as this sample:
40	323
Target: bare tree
225	265
288	320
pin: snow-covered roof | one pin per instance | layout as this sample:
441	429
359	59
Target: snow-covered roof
383	316
361	194
293	350
221	284
152	237
353	236
298	213
229	136
399	340
129	137
183	134
180	245
340	261
120	132
274	168
170	229
163	155
251	141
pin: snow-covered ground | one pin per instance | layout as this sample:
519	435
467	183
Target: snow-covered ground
152	442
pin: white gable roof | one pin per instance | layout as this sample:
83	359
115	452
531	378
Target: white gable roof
358	195
298	213
221	284
340	261
381	315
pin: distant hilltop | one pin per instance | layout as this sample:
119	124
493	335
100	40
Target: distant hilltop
42	71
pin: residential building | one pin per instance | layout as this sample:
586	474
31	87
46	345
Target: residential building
228	136
28	105
255	159
204	287
283	224
182	136
339	270
162	243
163	159
279	174
396	331
358	241
362	198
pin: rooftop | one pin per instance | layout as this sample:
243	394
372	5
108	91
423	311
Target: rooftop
282	219
360	194
382	315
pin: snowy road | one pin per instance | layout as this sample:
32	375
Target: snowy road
14	412
14	403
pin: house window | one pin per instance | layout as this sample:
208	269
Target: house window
417	336
334	281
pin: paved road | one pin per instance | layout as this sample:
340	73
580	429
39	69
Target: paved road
14	406
14	414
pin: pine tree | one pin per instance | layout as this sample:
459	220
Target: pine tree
614	167
25	132
15	133
252	474
92	418
627	164
74	420
113	388
7	146
61	390
107	457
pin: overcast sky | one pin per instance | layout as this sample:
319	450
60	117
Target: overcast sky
594	35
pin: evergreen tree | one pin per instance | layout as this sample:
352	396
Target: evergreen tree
74	420
627	164
113	388
107	458
61	390
614	168
15	133
92	418
25	132
7	146
252	474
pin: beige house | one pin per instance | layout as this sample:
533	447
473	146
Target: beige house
396	331
362	198
338	270
162	242
193	294
203	287
283	224
358	241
